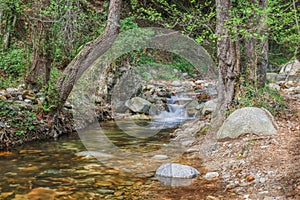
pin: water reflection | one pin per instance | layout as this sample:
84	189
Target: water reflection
131	154
63	167
175	182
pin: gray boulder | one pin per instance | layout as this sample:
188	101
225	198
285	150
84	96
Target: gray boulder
209	107
247	120
274	77
291	68
174	170
291	71
138	105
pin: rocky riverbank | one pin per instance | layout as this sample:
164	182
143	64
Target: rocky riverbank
23	118
251	166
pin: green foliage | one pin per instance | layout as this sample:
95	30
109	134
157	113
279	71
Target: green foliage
70	25
279	55
195	19
128	23
50	91
57	30
13	65
280	17
160	62
283	22
264	97
16	118
12	62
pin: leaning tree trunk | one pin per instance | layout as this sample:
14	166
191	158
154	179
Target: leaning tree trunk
90	53
228	61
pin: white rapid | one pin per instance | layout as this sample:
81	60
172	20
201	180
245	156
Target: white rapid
176	113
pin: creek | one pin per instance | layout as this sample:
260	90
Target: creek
63	166
106	160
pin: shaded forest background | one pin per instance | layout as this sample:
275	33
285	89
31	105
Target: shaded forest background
40	38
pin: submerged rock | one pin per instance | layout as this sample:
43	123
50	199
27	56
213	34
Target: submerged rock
247	120
160	157
42	193
93	153
174	170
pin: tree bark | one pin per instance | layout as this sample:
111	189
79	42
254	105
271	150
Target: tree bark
90	53
264	49
227	53
256	49
39	71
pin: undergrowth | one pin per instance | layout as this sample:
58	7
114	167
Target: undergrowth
250	96
17	118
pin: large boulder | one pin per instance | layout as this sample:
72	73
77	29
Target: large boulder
174	170
274	77
138	105
247	120
291	70
127	86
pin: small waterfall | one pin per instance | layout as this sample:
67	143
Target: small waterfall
176	113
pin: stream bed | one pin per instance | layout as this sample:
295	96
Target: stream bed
64	169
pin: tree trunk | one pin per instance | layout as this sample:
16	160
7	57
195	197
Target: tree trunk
227	52
256	49
39	71
264	49
90	53
250	69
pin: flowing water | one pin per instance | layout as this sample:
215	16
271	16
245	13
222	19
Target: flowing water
107	161
64	166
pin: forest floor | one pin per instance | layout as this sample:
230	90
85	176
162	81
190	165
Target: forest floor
250	167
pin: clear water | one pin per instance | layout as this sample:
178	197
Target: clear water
55	165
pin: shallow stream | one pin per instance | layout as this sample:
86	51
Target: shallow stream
64	167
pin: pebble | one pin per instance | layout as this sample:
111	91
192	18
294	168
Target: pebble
192	150
28	101
176	170
103	191
118	193
263	192
262	180
211	175
211	197
160	157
